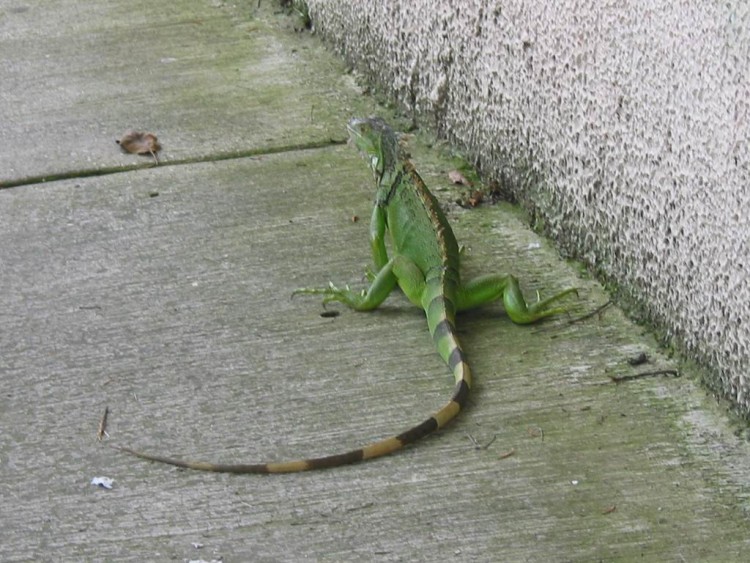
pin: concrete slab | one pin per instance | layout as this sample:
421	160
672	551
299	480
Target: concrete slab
163	293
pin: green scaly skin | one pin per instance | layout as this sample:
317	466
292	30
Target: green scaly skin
425	265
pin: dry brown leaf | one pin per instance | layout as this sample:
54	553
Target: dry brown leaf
138	142
471	199
476	197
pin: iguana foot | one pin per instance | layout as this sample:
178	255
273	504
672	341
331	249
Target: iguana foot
332	293
521	312
542	306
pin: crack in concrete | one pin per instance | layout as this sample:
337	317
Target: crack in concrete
218	157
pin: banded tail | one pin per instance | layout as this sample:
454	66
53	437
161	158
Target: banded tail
440	312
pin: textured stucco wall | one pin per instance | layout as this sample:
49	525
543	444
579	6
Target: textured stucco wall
625	126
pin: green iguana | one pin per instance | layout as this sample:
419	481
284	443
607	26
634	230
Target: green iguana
424	264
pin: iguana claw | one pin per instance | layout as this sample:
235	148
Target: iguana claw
536	311
333	293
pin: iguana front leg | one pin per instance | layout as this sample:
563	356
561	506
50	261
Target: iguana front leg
364	300
485	289
378	226
398	270
382	281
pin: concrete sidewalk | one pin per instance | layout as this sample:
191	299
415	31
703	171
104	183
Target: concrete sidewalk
163	293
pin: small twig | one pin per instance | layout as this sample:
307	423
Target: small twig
103	426
623	378
479	446
360	507
593	313
507	454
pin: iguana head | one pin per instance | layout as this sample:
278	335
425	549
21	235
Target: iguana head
377	142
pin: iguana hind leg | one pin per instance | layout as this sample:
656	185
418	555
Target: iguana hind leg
486	289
